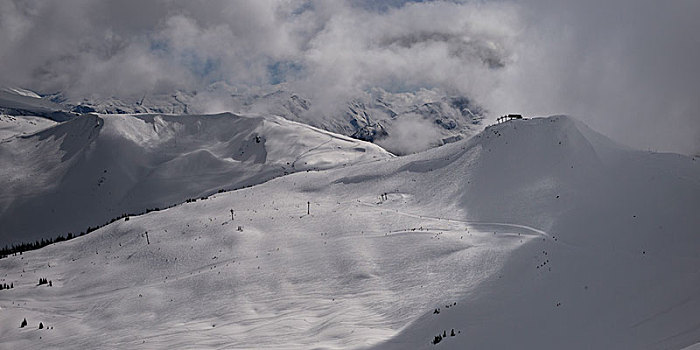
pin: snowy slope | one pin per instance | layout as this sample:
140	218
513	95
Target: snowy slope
536	233
11	126
21	102
619	266
93	168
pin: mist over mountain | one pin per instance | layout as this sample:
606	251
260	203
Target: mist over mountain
610	64
429	118
304	174
432	117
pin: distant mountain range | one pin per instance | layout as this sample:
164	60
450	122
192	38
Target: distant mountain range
430	118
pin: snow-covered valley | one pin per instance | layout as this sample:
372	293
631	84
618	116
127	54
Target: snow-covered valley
535	233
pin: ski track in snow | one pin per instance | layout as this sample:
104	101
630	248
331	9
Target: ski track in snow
468	222
302	313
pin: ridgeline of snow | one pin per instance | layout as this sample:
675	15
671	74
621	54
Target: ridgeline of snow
428	117
20	102
21	92
93	168
534	234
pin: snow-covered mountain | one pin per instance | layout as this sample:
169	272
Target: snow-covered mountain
93	168
535	233
21	102
430	118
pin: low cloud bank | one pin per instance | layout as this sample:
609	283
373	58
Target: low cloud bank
628	68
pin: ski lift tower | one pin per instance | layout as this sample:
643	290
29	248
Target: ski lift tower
508	117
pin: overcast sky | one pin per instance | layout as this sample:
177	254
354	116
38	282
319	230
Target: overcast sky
628	68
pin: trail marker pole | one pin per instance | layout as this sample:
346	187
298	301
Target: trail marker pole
147	240
308	208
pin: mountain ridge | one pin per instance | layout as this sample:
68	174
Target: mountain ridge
432	117
110	165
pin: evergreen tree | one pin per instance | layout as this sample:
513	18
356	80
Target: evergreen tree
24	323
41	325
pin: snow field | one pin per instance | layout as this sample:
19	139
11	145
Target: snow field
286	280
536	233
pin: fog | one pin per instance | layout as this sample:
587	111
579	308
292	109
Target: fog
628	68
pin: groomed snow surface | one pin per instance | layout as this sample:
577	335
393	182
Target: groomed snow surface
534	234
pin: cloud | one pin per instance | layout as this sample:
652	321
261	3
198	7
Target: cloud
320	46
453	47
132	47
410	134
626	67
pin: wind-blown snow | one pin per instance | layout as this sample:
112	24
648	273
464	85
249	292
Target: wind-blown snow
534	234
22	92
